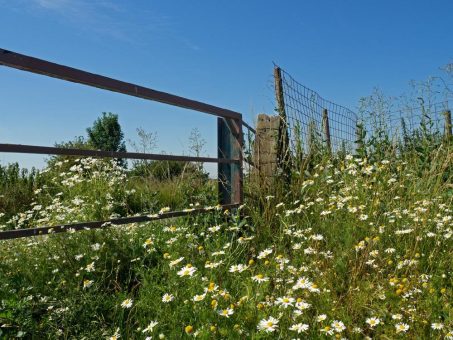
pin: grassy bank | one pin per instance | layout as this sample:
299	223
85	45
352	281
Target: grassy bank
355	248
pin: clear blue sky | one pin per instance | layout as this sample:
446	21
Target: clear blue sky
220	52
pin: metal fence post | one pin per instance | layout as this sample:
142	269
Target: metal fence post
325	124
230	176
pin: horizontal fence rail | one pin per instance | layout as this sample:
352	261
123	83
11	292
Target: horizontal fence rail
28	232
39	66
47	150
249	127
229	144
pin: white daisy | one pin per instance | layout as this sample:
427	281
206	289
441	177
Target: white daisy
437	325
150	327
285	301
127	303
226	312
269	325
188	270
167	298
401	327
299	328
373	321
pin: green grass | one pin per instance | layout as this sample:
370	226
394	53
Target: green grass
364	240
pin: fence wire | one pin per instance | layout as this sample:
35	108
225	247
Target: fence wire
304	108
303	111
425	119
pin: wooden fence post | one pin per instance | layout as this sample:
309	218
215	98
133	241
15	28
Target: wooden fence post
229	143
279	92
448	126
265	153
283	138
325	124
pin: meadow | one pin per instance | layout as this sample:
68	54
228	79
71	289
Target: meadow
356	248
346	244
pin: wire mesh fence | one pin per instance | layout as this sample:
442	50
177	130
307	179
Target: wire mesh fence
426	119
311	120
314	123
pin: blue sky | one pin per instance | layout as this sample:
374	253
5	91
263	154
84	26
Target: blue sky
220	52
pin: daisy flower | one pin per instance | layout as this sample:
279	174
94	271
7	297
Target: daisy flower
373	321
437	325
401	327
214	229
127	303
198	298
226	312
87	283
238	268
313	288
302	283
299	328
301	304
211	288
167	298
187	270
338	326
285	301
175	262
211	265
321	317
269	325
90	267
260	278
148	242
150	327
328	330
263	254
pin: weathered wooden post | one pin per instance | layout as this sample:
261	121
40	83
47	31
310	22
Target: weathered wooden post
265	153
229	143
325	124
283	138
448	126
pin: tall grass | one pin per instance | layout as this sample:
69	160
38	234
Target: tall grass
16	188
349	246
351	242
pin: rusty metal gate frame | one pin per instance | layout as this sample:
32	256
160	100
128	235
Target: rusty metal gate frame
229	142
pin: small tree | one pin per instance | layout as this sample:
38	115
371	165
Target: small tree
147	142
196	145
106	134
